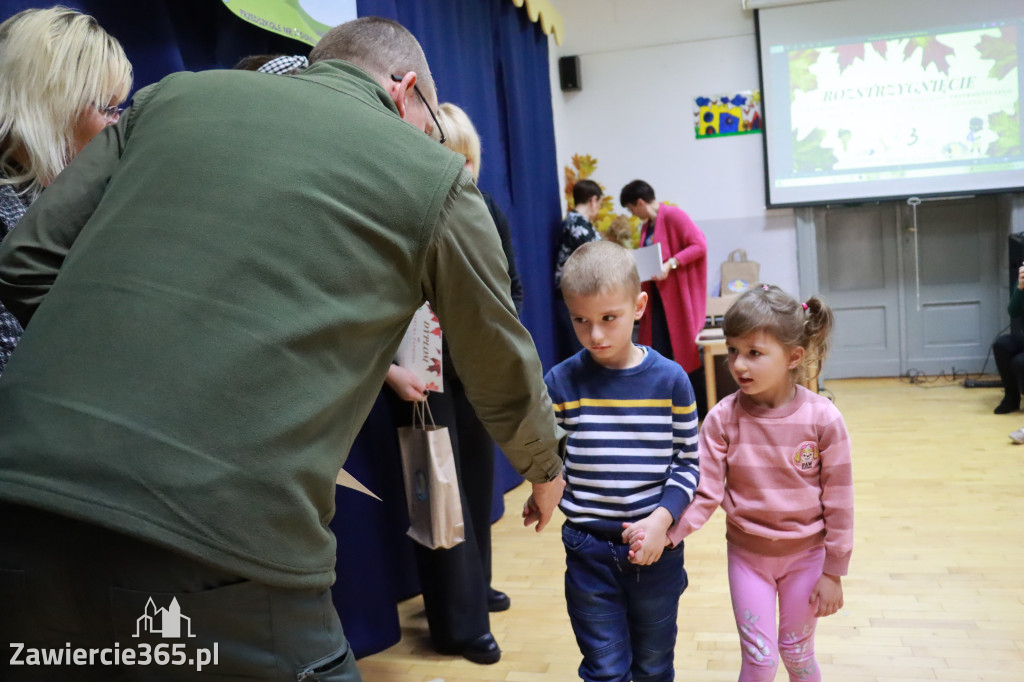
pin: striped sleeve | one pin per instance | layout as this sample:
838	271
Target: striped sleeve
684	472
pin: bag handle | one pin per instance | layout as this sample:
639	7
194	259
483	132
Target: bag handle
742	253
421	413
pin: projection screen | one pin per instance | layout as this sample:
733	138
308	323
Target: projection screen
876	99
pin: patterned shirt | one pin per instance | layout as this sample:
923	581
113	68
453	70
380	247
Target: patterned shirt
632	444
576	231
782	475
12	208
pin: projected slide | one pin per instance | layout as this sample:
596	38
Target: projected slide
900	102
933	111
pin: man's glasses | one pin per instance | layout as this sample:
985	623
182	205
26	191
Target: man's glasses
423	99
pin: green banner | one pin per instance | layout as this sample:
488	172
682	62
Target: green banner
303	20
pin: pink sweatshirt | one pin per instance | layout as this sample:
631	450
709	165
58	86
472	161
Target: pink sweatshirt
782	475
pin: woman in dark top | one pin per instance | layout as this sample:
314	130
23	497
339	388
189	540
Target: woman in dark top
456	582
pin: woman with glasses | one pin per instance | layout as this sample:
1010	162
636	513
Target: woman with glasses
62	80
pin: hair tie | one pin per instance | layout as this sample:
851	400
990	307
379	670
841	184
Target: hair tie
765	287
805	306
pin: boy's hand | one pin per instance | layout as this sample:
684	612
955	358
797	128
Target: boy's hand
827	595
653	539
540	505
633	535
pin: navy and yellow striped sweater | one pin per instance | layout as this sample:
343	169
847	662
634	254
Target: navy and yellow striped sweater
632	443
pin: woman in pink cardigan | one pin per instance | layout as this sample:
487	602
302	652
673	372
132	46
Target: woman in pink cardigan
678	298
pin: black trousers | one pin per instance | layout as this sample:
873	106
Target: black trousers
104	603
1008	351
661	341
455	581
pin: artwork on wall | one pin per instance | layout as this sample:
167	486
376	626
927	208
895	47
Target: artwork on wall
735	114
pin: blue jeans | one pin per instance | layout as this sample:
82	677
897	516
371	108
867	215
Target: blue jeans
623	615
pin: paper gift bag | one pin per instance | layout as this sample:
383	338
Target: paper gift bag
738	273
431	487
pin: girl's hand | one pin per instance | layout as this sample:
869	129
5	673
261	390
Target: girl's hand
827	595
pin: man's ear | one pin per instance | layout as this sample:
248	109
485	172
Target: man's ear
641	306
399	91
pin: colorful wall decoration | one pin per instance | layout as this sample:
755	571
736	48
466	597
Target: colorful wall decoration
736	114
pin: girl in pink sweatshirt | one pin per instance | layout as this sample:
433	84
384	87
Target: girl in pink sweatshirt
776	457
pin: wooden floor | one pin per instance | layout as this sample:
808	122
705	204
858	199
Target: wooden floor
935	589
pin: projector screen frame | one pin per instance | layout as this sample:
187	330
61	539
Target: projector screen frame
848	201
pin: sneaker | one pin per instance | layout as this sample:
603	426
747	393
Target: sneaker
1017	436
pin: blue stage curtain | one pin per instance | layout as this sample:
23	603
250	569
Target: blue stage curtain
487	57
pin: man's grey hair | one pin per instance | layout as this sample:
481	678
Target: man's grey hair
380	46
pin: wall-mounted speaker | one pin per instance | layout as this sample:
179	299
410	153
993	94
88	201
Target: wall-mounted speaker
569	73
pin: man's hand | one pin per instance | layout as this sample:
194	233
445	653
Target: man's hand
649	533
406	384
827	595
541	504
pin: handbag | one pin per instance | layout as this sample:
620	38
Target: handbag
431	485
738	273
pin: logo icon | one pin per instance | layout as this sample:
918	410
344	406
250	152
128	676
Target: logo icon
165	622
807	456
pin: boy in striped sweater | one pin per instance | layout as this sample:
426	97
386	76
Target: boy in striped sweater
631	460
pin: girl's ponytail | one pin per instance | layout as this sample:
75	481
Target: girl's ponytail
817	336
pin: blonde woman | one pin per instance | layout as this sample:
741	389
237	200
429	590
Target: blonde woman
456	582
62	80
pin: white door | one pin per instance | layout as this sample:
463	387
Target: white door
954	279
858	275
908	296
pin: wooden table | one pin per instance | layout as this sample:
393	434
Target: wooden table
712	343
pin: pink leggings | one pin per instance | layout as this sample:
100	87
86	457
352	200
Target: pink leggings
755	581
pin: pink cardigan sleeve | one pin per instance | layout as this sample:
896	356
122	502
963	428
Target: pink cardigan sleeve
695	244
837	495
712	449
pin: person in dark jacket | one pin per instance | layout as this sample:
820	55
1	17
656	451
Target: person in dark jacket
1008	351
456	582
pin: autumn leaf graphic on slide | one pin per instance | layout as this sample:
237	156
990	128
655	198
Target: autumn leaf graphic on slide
932	52
1008	129
809	155
800	76
849	53
1001	50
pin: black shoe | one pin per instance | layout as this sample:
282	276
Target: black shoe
1008	405
497	601
483	650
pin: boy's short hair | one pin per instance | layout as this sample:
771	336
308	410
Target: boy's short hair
598	267
584	190
634	191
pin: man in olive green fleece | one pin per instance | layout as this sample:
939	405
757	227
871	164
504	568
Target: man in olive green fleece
212	293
